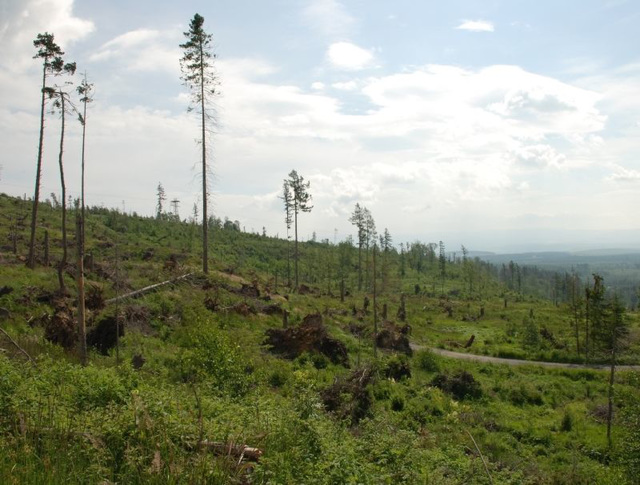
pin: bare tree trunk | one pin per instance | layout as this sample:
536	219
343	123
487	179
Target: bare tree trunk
295	255
288	260
63	261
375	308
359	266
82	328
117	286
31	260
586	329
610	397
46	248
205	222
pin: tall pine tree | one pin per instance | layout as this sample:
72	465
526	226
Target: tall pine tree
200	77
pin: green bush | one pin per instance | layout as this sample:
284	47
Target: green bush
427	361
566	424
461	385
9	381
94	387
207	356
520	393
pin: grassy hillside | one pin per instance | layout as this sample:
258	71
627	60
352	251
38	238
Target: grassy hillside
207	386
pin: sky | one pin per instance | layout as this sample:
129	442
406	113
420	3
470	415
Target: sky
503	125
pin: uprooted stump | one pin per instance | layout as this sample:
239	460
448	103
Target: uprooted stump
397	369
273	309
94	299
250	291
60	327
310	336
102	336
244	309
394	337
305	290
460	385
349	398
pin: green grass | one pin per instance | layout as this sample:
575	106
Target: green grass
207	374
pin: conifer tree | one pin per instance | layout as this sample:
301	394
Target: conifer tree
162	197
200	77
442	263
85	90
62	103
358	219
300	198
288	219
52	65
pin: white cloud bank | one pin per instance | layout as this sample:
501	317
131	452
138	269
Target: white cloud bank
349	57
476	26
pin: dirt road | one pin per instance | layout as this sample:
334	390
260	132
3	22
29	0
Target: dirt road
499	360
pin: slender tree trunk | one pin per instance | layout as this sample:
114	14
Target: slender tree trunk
80	235
82	329
117	287
586	330
375	308
84	136
63	261
360	266
46	248
205	224
610	397
295	255
576	320
31	260
289	262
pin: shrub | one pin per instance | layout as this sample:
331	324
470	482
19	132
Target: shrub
461	385
94	387
397	403
566	424
207	356
427	361
9	380
397	368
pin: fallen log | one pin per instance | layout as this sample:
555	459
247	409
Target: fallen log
146	289
18	347
239	452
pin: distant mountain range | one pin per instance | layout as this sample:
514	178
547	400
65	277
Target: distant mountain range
563	258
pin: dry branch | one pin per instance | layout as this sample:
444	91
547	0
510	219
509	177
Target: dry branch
239	452
18	347
147	289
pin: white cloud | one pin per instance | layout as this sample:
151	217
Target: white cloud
22	19
142	50
624	175
348	56
476	26
317	85
345	86
122	45
329	17
538	156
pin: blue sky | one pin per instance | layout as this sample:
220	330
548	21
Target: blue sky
502	125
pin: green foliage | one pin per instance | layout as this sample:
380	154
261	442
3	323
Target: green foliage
207	356
94	387
9	381
427	361
461	385
530	334
566	424
205	374
629	448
